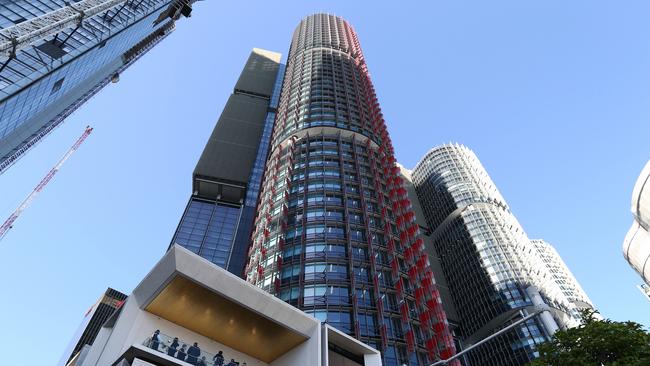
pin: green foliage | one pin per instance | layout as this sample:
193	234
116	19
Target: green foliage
597	342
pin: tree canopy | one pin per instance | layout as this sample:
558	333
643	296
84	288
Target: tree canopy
597	342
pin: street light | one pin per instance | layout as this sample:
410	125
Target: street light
522	320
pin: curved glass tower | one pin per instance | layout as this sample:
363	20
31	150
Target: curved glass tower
335	234
494	272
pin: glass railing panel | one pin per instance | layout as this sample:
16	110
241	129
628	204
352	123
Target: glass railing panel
183	350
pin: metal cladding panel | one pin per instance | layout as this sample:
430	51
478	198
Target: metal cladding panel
230	152
259	75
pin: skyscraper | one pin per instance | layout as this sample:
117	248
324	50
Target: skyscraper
95	317
636	246
335	234
561	274
218	220
55	55
494	272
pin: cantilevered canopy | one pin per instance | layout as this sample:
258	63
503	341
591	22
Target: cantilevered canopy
190	291
194	307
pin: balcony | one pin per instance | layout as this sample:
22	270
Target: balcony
186	297
179	349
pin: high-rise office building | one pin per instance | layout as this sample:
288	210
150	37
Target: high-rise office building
219	217
92	322
55	55
335	234
494	272
636	246
561	274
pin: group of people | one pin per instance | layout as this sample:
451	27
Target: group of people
191	355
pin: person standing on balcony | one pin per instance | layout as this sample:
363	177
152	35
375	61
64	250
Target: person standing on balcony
155	340
181	354
193	353
202	362
218	359
172	347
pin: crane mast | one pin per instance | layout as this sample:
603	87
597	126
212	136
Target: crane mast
8	224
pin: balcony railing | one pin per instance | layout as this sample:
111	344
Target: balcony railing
178	349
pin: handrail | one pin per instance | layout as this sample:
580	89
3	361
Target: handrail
164	346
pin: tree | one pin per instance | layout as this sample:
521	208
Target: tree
597	342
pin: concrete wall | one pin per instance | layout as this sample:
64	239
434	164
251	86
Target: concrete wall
308	353
333	337
372	360
135	325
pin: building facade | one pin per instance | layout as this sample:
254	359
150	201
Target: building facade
636	246
188	311
335	234
561	274
493	270
56	56
218	219
434	260
93	320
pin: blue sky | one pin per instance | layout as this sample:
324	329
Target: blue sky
553	96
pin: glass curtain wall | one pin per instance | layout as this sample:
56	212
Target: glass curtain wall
334	233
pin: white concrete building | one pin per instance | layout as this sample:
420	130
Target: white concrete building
187	297
636	246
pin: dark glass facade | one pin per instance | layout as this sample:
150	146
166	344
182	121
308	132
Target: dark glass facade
208	229
110	301
44	83
334	233
218	226
493	271
239	255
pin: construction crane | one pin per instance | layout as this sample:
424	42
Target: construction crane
10	221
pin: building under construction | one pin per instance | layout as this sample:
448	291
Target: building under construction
55	55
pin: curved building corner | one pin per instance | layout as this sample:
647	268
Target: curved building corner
495	273
636	246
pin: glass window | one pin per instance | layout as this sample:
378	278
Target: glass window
57	86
